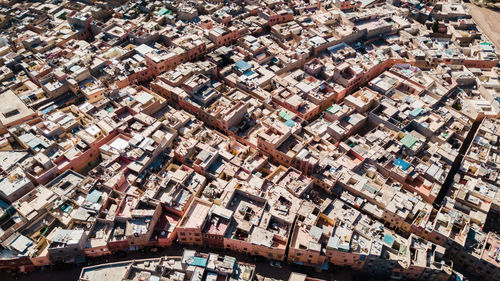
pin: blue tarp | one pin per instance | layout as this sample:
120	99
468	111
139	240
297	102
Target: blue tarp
402	163
48	109
242	66
389	239
290	123
248	73
94	196
415	112
197	261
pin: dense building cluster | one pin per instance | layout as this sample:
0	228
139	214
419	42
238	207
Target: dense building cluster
192	265
359	134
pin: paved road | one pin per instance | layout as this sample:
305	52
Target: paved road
71	272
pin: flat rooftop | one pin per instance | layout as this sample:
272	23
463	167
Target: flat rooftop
196	215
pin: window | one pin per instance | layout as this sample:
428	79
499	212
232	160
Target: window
11	113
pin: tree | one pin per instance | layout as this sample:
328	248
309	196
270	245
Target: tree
435	26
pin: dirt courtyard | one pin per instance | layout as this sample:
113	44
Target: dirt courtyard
488	21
